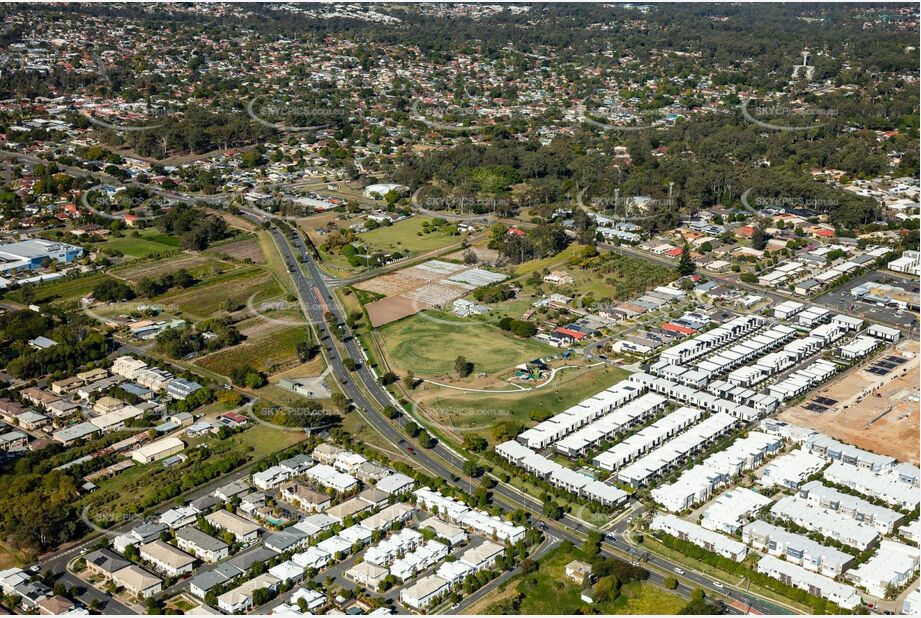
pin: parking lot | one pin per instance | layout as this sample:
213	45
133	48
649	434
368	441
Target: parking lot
841	299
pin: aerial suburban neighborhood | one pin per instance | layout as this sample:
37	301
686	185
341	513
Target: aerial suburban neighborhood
460	308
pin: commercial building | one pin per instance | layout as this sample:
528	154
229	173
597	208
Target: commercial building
33	253
909	263
158	450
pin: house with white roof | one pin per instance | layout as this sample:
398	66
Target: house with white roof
893	565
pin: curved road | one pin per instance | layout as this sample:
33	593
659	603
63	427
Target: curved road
441	461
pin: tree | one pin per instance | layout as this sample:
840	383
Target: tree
306	351
759	238
471	468
111	291
607	589
552	510
686	265
341	402
475	443
592	545
670	583
462	367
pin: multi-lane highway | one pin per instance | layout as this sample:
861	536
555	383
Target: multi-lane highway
369	399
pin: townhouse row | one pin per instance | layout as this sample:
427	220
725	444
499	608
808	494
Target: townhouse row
560	476
698	483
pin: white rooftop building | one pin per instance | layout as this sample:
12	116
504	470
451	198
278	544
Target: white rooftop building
788	471
893	564
828	523
840	594
731	510
796	548
709	540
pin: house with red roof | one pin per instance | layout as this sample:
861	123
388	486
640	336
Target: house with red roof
678	328
676	252
574	334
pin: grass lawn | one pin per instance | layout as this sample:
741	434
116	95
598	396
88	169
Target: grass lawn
406	236
266	440
63	289
273	260
568	388
10	557
211	295
121	493
199	266
429	348
549	591
148	242
272	352
560	258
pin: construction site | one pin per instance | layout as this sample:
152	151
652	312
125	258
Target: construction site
875	407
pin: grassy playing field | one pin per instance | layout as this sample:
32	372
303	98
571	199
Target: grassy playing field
406	236
549	591
470	411
429	348
148	242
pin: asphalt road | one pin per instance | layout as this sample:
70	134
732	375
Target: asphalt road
442	461
439	461
775	295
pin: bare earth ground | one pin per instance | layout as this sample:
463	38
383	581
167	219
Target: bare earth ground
484	255
393	308
243	249
889	424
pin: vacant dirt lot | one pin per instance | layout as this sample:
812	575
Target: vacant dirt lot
877	413
248	249
393	308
